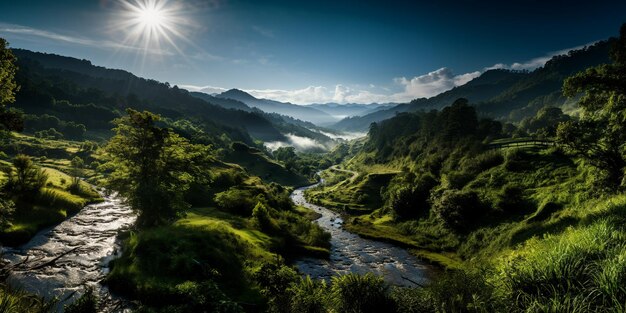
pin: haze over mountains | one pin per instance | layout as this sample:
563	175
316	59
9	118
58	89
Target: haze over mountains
508	95
503	94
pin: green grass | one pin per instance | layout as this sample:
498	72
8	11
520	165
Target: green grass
258	164
50	206
357	195
205	244
580	269
548	180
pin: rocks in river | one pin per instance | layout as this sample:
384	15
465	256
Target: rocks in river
351	253
92	233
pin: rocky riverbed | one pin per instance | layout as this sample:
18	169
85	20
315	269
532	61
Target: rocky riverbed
350	253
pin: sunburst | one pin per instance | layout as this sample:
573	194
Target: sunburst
151	25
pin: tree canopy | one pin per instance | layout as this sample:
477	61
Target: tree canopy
152	167
9	119
599	136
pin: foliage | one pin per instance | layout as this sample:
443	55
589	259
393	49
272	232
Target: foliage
286	292
458	209
9	120
7	207
412	200
354	293
8	87
236	201
77	172
544	123
275	280
152	167
600	134
12	300
309	296
87	303
26	178
261	218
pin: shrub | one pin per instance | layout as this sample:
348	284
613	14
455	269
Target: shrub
261	219
516	160
353	293
412	300
27	177
202	296
7	207
464	291
459	210
309	296
87	303
484	161
275	279
236	201
409	202
511	197
458	179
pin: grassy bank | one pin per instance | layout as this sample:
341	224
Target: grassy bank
212	246
50	206
55	199
550	198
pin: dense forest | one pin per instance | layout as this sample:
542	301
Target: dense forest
510	187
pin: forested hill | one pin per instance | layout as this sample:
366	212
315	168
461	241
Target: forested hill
75	92
300	112
502	94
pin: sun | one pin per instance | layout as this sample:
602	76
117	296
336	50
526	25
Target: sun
151	17
151	25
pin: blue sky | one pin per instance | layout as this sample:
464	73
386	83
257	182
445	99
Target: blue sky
314	51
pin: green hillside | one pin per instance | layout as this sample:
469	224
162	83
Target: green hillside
503	94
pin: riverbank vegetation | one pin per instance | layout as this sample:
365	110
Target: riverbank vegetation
181	247
535	229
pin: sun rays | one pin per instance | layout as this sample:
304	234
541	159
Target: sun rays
152	26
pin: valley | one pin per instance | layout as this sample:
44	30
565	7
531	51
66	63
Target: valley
277	177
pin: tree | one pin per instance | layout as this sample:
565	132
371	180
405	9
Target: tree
152	167
599	136
459	210
287	155
8	86
26	177
77	171
9	119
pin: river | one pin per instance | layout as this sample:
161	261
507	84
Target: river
63	260
349	253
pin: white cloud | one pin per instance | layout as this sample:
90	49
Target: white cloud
535	62
311	94
406	89
320	94
298	142
205	89
431	84
342	135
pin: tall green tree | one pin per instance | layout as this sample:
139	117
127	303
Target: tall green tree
152	167
9	119
599	136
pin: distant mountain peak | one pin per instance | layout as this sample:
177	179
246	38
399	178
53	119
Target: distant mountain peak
237	94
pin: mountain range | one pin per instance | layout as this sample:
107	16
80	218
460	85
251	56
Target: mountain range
503	94
76	91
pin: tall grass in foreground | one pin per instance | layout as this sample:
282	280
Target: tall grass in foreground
12	301
582	269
